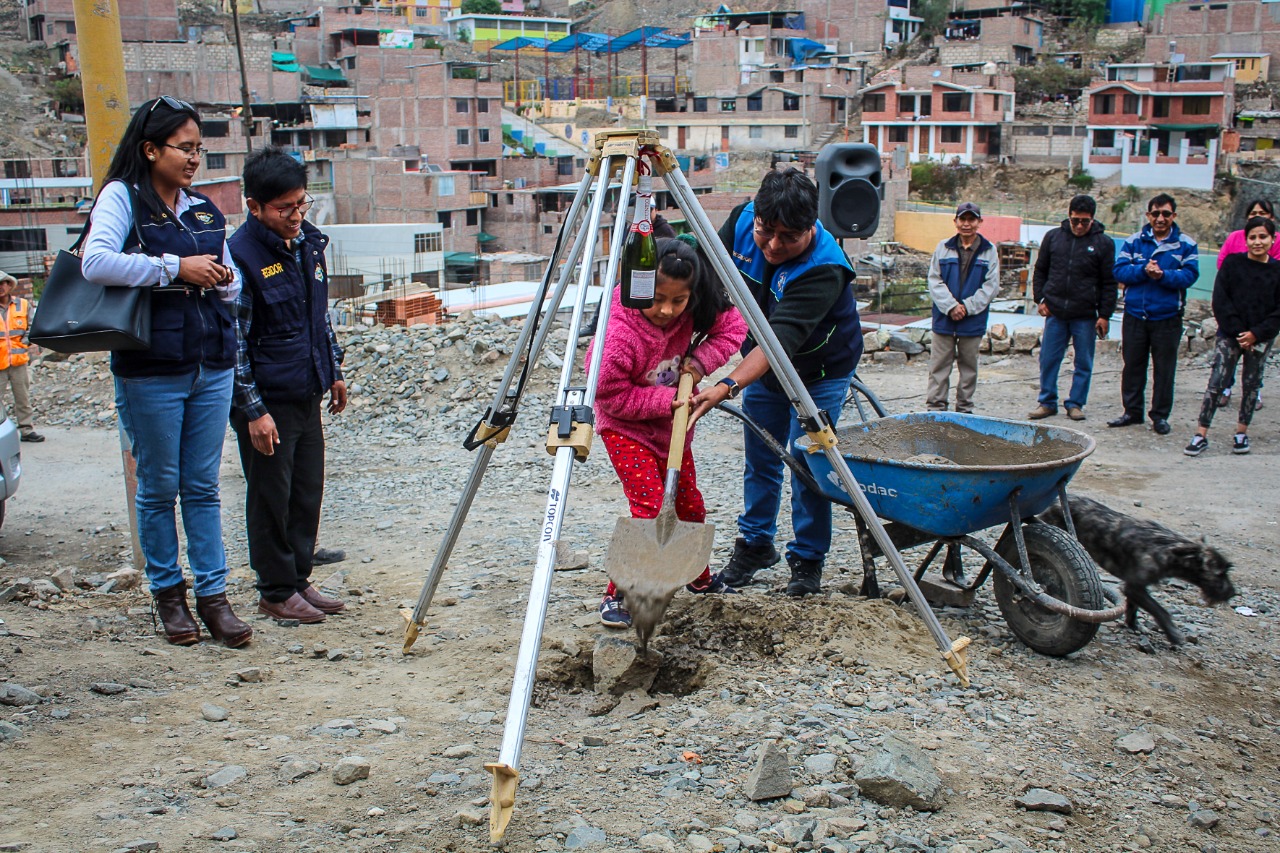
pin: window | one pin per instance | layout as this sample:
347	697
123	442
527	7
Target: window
906	103
1062	130
791	132
951	134
791	103
699	105
482	105
464	136
1197	106
728	105
664	130
473	217
427	243
17	168
444	185
1104	138
1129	105
995	102
926	105
776	76
482	134
70	26
461	105
899	134
445	218
565	166
1104	104
215	161
873	103
66	168
212	128
956	102
1160	107
548	229
335	138
982	134
755	103
23	240
755	132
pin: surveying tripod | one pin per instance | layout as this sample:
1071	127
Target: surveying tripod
571	425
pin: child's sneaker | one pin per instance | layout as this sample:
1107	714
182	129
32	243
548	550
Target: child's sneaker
613	614
714	586
1199	444
1240	444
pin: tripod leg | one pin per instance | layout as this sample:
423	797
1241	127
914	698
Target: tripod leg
821	434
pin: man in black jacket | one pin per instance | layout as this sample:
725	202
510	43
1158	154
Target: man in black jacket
1075	289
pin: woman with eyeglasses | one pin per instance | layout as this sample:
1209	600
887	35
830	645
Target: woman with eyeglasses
148	228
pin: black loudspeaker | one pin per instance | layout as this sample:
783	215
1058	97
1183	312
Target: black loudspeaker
849	189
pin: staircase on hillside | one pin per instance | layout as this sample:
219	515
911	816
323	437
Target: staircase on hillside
532	136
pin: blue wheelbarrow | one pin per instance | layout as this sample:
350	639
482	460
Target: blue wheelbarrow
942	477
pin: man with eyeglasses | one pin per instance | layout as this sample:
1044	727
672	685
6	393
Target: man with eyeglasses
1156	266
801	279
287	358
964	276
1074	287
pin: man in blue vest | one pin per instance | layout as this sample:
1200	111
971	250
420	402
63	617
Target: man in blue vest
800	278
287	358
964	276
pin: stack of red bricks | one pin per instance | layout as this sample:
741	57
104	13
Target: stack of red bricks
411	310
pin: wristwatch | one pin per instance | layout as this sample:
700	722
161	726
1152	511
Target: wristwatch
734	388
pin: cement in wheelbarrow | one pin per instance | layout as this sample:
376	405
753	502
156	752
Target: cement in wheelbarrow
949	474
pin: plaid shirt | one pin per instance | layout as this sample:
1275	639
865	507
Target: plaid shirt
245	396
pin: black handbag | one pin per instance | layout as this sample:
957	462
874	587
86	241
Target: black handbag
77	315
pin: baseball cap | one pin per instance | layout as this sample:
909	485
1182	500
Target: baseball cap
968	207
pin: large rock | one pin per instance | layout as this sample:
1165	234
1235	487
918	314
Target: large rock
1025	340
901	343
1137	742
891	357
1208	328
771	777
900	774
1042	800
17	695
225	776
1000	345
998	331
618	666
351	768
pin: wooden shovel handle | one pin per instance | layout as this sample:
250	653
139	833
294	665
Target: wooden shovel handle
679	424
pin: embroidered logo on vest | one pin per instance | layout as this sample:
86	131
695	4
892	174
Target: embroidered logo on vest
274	269
206	218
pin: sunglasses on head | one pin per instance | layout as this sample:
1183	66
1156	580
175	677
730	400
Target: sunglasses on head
172	103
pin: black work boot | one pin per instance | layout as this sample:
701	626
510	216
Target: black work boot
806	577
746	561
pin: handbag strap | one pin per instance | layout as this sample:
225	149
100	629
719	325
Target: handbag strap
133	208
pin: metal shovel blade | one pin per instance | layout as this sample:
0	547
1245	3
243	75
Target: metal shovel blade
650	567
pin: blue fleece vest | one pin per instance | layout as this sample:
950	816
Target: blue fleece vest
190	326
289	336
973	325
835	345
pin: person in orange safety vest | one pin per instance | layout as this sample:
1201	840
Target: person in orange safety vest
15	316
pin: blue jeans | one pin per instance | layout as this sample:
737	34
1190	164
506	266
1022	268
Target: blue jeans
762	476
1053	346
176	426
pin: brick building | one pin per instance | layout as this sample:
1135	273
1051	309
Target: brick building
52	21
1201	31
1145	117
938	113
976	36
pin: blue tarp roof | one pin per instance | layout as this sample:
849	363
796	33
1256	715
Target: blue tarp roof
801	49
602	43
521	42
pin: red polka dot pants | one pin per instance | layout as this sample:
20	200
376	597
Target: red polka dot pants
642	474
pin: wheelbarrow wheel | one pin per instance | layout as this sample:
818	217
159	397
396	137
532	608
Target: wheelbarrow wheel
1064	570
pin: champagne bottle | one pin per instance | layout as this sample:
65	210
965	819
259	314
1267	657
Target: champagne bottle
640	255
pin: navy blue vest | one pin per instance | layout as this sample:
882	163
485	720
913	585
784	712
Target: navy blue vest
190	326
835	345
972	325
289	336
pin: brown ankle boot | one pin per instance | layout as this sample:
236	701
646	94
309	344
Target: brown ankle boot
180	626
223	625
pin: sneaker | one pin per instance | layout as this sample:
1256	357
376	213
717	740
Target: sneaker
746	561
806	577
1042	411
613	614
33	437
1240	444
1198	444
1224	399
715	586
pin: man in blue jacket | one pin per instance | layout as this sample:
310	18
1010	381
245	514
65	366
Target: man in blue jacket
1156	266
964	276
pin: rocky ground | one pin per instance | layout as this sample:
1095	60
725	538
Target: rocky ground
327	737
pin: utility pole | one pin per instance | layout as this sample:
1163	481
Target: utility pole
106	115
246	115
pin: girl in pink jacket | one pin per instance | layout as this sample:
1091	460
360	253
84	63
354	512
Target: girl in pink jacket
691	327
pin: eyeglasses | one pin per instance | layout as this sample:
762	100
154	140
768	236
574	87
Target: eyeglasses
172	103
1161	214
288	210
1081	221
188	151
786	238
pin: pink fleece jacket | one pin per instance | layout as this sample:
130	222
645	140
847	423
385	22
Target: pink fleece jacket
640	367
1236	243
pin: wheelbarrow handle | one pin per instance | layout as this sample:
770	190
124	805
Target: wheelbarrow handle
679	426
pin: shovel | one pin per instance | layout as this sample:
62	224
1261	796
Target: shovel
649	559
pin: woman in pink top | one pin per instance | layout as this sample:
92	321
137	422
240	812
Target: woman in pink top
1236	244
692	328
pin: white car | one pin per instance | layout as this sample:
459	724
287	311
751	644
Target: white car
10	462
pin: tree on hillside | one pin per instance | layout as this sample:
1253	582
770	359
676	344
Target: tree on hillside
1090	11
934	13
1037	82
481	7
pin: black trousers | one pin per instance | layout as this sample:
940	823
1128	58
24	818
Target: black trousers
282	496
1156	341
